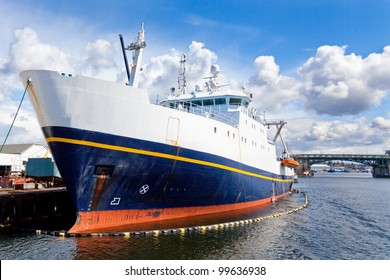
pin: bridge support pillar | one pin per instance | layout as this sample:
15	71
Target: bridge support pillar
381	171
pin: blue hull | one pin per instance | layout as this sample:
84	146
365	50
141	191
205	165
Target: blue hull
106	172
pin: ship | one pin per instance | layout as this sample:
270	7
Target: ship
130	162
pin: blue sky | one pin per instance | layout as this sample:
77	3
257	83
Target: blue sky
321	65
288	30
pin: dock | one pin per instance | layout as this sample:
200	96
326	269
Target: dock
49	208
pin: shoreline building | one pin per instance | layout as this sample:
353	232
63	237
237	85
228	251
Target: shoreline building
13	157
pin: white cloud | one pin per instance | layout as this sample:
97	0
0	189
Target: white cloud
377	66
197	21
271	91
161	73
99	57
267	71
381	123
27	52
26	128
338	84
200	60
336	136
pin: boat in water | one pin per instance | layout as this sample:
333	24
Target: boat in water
128	161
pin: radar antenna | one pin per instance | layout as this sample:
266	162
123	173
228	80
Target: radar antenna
211	84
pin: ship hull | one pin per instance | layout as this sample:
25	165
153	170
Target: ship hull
129	164
146	182
134	220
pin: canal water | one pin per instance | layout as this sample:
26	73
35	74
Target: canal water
347	218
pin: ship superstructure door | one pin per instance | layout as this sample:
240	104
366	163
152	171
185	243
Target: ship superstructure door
173	131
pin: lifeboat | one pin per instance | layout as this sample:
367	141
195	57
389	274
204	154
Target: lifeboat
290	162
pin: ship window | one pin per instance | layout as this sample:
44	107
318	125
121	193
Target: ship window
208	102
187	106
235	101
197	103
215	129
220	101
228	133
104	170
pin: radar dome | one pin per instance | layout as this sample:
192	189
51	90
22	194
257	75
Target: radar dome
198	88
214	69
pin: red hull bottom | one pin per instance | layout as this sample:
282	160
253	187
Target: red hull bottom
139	220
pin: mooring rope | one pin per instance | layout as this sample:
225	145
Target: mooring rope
17	111
182	230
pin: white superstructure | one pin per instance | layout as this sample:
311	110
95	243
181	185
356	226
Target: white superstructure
219	122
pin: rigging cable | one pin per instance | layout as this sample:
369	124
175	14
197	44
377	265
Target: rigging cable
17	111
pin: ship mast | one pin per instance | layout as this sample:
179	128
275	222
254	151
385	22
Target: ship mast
137	48
182	75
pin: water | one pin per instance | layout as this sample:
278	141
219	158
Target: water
348	217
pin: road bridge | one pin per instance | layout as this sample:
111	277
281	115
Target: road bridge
380	163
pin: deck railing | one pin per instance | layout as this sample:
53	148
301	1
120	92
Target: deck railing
224	113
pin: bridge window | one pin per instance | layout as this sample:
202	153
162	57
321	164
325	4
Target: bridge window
187	104
220	101
235	101
197	103
208	102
